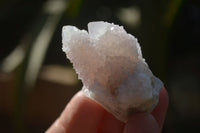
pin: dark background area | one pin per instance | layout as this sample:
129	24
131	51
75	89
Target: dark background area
168	31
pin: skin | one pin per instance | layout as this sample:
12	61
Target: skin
83	115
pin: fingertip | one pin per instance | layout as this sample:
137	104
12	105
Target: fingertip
164	97
141	123
56	127
81	112
110	124
160	110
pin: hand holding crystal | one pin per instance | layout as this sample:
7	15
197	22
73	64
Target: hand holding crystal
120	94
83	115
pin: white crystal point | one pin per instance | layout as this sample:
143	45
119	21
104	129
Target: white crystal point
96	29
109	62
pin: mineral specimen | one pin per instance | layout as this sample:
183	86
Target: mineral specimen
109	62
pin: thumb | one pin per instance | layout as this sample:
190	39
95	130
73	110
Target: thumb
142	123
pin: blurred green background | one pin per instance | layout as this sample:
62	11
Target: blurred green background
37	81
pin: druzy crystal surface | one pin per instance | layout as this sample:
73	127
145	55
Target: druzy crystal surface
109	62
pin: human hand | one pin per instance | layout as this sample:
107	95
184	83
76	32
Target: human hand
83	115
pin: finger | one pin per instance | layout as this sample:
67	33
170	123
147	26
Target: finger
81	115
56	127
142	123
160	110
110	124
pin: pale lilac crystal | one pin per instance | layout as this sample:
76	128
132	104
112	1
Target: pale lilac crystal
109	62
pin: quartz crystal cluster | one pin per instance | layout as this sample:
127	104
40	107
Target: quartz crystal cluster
109	62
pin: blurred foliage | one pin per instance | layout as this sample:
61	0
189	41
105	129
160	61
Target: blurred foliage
171	11
74	7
